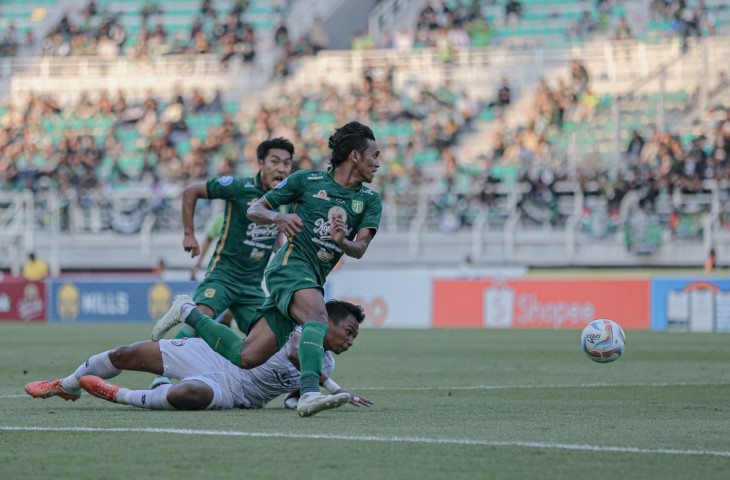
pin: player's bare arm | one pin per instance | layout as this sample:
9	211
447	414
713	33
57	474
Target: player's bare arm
190	197
260	212
352	248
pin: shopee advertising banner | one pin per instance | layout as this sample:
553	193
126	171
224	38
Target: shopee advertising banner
399	299
544	303
21	300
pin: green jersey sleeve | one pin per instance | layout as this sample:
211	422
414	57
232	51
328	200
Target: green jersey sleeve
227	188
288	191
373	211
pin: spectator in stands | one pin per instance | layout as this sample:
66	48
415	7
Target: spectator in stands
318	36
711	261
35	269
636	144
580	77
512	12
504	95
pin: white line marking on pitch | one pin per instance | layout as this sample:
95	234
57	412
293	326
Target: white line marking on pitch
514	387
371	438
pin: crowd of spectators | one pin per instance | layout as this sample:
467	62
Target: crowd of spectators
102	32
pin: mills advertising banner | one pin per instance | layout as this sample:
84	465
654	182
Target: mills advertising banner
122	301
554	303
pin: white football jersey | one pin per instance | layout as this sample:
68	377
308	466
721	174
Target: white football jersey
277	376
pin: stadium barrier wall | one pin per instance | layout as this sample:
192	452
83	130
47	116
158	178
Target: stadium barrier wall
22	300
410	299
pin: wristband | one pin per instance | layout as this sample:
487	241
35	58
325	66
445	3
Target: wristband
331	386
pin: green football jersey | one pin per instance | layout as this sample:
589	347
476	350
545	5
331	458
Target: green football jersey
316	198
244	247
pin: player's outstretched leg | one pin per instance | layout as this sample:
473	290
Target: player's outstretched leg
174	316
51	388
313	403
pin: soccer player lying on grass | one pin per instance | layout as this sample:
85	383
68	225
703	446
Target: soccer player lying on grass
207	380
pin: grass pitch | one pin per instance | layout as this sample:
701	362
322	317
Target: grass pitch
448	404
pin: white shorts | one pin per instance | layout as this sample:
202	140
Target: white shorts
192	359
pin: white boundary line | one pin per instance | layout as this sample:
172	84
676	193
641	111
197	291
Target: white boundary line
510	387
371	438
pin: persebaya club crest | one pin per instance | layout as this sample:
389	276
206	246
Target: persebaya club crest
357	206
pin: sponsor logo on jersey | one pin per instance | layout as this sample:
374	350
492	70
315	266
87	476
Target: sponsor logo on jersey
314	176
357	206
321	194
323	227
209	293
177	342
257	231
281	184
324	255
257	254
225	181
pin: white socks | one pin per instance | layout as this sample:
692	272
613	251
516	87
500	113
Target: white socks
151	399
99	365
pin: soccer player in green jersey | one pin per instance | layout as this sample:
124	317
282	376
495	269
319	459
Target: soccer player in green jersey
235	271
333	215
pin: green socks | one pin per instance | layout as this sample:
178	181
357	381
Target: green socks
186	332
220	338
311	351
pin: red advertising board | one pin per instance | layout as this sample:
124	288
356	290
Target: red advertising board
21	300
553	303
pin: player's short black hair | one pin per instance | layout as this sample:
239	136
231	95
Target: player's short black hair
280	142
338	310
349	137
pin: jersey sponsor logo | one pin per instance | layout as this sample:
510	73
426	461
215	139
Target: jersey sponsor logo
321	194
249	185
177	342
357	206
209	293
225	181
323	227
324	255
257	231
281	184
257	254
314	176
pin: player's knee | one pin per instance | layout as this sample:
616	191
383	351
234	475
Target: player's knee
121	356
190	396
250	360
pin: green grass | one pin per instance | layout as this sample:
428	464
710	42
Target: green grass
448	404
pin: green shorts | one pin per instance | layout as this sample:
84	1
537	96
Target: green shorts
218	293
282	282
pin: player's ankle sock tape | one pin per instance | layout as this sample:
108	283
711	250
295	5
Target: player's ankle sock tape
194	316
311	351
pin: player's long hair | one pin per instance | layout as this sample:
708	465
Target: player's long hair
349	137
280	142
339	309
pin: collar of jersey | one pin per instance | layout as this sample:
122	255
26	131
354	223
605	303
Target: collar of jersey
331	173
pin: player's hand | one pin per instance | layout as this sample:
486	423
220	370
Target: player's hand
190	244
355	399
289	224
338	229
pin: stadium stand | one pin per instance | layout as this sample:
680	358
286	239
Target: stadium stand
614	136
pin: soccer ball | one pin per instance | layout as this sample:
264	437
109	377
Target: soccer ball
603	340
